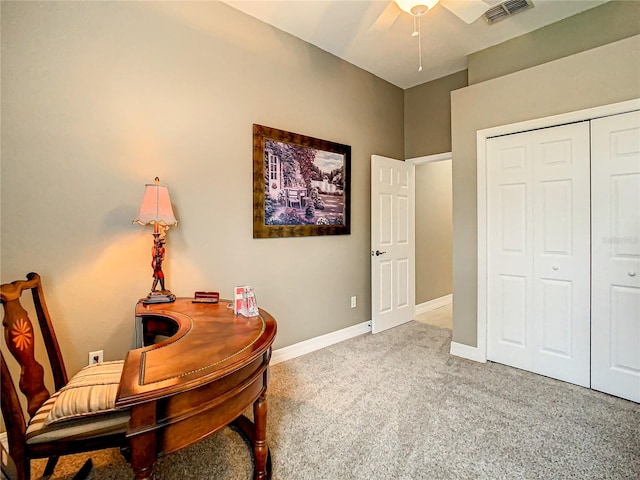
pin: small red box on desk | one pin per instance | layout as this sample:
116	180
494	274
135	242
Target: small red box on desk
206	297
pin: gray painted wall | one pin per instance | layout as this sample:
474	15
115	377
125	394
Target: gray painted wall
433	231
98	98
427	115
600	76
604	24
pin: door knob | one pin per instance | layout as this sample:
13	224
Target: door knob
555	267
631	274
377	253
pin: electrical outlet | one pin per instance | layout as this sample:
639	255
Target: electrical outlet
353	302
96	357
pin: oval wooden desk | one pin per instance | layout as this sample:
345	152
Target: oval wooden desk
213	366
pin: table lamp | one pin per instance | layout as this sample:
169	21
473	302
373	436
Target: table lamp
156	210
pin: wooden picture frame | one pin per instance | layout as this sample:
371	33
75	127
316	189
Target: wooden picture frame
301	185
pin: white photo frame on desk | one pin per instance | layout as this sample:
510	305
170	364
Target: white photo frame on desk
244	301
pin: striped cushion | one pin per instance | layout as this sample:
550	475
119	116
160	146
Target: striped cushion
79	428
83	408
92	390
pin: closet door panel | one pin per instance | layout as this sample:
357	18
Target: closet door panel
538	251
512	294
509	257
556	217
555	310
625	329
615	189
561	252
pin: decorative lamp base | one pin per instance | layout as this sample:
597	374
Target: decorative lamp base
157	296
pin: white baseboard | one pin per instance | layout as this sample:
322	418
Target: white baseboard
468	352
316	343
433	304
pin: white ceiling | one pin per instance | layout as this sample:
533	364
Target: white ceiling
348	29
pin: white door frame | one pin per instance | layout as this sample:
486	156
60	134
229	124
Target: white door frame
479	353
438	157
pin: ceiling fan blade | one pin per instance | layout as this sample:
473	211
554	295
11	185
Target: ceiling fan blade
467	10
388	16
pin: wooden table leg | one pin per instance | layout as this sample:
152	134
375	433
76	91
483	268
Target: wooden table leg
143	446
260	447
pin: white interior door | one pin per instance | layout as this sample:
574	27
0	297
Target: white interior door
538	251
615	193
392	242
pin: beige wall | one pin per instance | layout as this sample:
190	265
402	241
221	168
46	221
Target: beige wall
604	24
427	115
600	76
100	97
433	231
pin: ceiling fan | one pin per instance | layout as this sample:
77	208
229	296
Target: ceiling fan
467	10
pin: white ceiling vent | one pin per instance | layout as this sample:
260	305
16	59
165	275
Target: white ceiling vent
506	9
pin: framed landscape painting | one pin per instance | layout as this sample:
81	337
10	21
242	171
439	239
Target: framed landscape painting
301	185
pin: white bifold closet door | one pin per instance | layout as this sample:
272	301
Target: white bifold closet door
538	251
615	311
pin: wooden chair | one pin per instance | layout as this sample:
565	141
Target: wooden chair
78	417
293	196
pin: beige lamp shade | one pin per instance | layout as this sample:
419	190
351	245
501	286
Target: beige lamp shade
156	206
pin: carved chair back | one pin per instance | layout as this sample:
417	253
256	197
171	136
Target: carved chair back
19	336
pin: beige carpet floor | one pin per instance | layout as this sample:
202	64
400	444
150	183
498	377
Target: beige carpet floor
440	317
